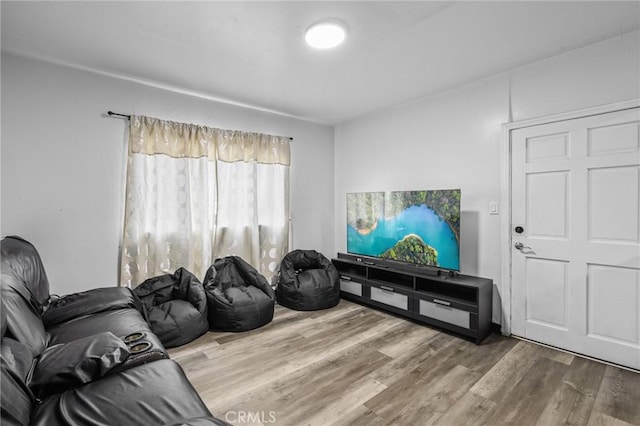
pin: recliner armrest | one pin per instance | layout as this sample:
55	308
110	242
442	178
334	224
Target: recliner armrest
68	365
89	302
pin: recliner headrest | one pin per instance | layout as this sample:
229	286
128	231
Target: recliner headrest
21	259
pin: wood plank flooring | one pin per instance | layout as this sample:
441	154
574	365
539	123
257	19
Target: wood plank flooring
353	365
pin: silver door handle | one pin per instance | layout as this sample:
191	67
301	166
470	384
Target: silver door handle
518	245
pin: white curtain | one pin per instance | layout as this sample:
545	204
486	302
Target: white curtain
196	193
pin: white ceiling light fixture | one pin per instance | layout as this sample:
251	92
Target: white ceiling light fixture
325	34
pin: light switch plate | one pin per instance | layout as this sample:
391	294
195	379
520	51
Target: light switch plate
493	208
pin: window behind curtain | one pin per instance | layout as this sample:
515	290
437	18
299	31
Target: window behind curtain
196	193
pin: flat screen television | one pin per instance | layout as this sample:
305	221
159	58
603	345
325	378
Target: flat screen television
419	227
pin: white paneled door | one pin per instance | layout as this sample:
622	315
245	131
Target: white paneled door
576	235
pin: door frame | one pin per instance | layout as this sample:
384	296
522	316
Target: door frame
505	190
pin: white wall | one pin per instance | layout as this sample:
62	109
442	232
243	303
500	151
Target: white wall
453	139
62	160
63	164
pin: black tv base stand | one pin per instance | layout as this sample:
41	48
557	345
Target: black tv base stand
450	301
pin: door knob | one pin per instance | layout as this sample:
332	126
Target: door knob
518	245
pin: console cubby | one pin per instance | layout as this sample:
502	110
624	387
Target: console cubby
387	276
354	270
447	289
454	302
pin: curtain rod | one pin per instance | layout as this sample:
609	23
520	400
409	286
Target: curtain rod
128	117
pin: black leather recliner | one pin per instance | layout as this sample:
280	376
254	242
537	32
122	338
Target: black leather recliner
308	281
83	359
38	320
239	297
176	307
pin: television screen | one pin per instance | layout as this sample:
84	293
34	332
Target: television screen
420	227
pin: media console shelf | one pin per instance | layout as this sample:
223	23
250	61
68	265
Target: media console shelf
458	303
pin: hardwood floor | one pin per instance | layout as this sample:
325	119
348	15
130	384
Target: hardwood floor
353	365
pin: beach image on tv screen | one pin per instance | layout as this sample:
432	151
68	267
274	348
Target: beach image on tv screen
421	227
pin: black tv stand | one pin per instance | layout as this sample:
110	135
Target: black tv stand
445	299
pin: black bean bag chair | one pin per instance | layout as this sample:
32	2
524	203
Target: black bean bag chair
238	297
308	281
175	307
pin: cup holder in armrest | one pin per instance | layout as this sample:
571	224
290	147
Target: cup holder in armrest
143	347
133	337
139	348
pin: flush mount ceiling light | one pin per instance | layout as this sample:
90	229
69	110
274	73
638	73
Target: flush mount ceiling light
325	34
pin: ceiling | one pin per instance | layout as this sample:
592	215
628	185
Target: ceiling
253	53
